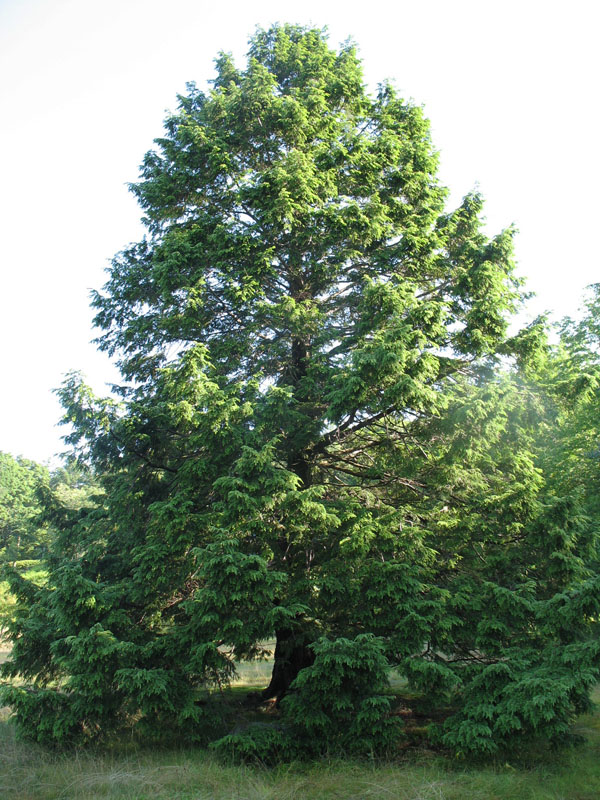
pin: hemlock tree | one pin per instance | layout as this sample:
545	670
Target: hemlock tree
304	446
297	244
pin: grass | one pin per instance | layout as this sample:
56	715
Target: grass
255	674
130	772
28	773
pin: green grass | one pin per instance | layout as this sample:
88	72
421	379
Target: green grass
134	773
255	674
28	773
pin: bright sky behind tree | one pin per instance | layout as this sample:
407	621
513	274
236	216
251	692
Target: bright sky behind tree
510	88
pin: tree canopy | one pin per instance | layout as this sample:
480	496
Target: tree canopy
315	440
22	532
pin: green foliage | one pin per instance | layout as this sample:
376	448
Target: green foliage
337	705
43	716
571	379
22	532
319	437
258	743
30	519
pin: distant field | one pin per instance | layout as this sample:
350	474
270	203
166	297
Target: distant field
255	674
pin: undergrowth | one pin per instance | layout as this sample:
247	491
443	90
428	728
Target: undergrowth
126	770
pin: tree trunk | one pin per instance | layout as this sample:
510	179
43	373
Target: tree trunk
292	653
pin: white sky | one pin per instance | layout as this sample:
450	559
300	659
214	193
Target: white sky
511	89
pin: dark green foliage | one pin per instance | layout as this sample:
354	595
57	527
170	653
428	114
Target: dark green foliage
337	705
263	743
319	438
44	716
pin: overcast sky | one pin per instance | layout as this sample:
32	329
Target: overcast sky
511	89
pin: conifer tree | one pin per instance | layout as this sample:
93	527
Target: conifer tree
298	246
304	445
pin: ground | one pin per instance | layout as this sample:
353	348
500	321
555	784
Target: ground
130	772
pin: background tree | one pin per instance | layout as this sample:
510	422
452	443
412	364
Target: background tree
22	534
304	446
572	379
29	521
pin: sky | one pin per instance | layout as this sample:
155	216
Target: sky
85	85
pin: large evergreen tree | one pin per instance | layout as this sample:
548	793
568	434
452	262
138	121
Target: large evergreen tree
304	447
298	252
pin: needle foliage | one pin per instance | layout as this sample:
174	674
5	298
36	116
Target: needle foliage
314	441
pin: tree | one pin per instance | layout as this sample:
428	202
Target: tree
572	382
22	534
298	246
303	335
27	522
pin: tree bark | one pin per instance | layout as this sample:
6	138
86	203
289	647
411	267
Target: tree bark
292	653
